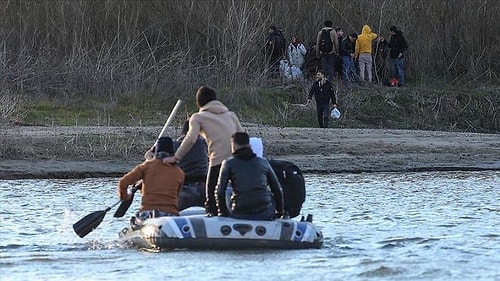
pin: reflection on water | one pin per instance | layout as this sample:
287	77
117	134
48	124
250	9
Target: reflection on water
385	226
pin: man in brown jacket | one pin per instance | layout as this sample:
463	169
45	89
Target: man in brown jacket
216	124
161	183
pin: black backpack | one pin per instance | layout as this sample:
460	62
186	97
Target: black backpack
293	185
325	41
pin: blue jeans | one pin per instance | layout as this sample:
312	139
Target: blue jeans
141	216
348	70
398	70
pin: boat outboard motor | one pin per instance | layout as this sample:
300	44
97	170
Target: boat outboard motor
309	218
293	185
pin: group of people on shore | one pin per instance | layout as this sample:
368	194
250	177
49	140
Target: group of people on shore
350	58
173	179
284	60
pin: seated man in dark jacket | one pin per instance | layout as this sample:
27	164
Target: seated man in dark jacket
256	191
195	167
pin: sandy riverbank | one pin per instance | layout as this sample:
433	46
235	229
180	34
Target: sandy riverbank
314	150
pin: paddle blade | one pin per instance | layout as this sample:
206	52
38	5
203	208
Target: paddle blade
89	223
123	208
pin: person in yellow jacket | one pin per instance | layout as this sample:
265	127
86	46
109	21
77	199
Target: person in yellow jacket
363	52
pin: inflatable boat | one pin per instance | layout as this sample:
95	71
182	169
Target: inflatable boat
197	231
193	230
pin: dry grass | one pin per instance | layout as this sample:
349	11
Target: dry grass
11	107
77	143
104	63
106	49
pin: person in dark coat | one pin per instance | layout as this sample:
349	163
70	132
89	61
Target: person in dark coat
312	62
323	93
275	50
195	167
256	191
398	47
347	55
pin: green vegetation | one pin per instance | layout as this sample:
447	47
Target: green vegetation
426	108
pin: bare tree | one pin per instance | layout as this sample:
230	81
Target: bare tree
95	47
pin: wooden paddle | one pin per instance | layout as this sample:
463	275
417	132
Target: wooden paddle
90	222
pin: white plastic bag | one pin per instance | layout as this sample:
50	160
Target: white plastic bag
284	68
288	71
295	73
335	113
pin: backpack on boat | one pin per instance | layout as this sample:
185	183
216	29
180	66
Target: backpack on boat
293	185
325	41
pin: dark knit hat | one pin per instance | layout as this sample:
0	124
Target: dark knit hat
164	144
393	28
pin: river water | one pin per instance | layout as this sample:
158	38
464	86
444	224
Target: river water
384	226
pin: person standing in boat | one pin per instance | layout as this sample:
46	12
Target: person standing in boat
195	167
215	123
256	191
161	183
